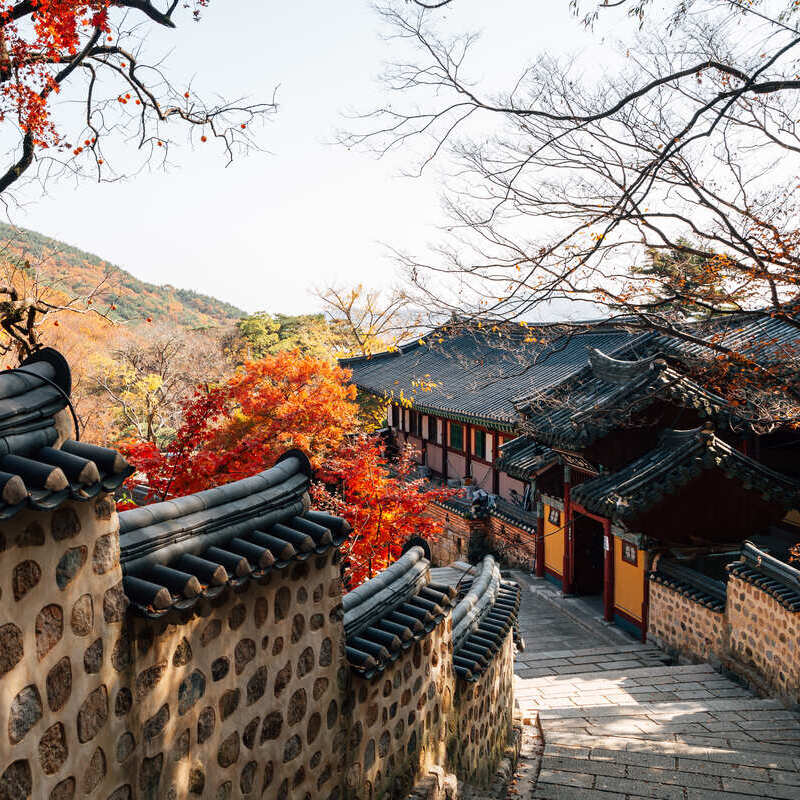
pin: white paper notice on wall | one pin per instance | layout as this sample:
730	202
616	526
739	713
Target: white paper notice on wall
606	543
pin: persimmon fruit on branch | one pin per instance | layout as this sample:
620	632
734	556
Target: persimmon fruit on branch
90	51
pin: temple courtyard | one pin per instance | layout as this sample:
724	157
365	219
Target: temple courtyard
617	721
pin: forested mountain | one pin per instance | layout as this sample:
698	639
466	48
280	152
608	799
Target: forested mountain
76	273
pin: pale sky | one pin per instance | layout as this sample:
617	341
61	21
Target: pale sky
264	231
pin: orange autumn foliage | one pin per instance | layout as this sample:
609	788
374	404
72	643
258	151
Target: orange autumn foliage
384	502
241	426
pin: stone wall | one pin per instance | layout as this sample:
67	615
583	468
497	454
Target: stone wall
756	637
513	545
685	627
459	535
484	719
765	636
61	620
246	696
242	698
396	724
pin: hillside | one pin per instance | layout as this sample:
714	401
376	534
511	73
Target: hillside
76	273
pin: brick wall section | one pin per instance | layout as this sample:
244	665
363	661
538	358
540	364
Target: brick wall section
459	534
61	616
765	635
243	698
484	716
396	724
684	627
514	546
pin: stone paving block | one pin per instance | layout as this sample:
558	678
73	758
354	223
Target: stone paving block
773	790
564	778
708	794
785	778
723	769
670	776
554	791
640	788
583	765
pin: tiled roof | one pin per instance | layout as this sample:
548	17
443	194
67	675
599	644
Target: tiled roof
475	375
385	615
679	457
483	617
772	575
690	583
609	393
40	467
523	458
177	552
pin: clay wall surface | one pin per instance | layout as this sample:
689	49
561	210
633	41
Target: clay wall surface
756	637
483	719
61	618
247	696
765	635
684	626
396	723
244	697
454	543
515	546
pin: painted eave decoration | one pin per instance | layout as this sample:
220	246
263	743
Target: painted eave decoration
176	553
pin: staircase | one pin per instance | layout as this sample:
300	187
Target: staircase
619	723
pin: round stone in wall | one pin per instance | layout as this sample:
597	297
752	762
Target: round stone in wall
65	524
296	710
93	657
243	654
191	689
298	627
325	652
106	553
271	729
228	703
148	679
305	663
283	601
82	617
150	777
237	616
70	565
248	778
155	725
257	685
124	701
320	685
210	632
95	772
32	536
25	712
24	577
53	749
16	782
121	793
220	667
58	684
228	752
292	749
205	724
183	654
114	604
283	677
126	744
260	611
64	790
92	714
250	731
11	649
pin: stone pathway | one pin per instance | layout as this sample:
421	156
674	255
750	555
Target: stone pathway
619	723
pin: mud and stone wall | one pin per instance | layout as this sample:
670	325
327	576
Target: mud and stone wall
765	636
685	627
62	613
243	698
396	724
483	719
513	545
249	696
756	637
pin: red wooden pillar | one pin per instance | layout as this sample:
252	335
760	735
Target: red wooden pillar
539	550
646	595
445	435
495	454
568	580
467	450
608	572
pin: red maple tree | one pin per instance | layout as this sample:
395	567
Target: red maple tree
241	426
384	502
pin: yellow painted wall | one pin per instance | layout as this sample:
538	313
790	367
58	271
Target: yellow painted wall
628	582
553	543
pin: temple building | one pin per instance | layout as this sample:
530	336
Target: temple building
613	455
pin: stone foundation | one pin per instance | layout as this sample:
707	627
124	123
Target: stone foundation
513	545
764	636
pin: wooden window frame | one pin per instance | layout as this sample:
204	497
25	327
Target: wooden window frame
554	515
450	427
479	456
